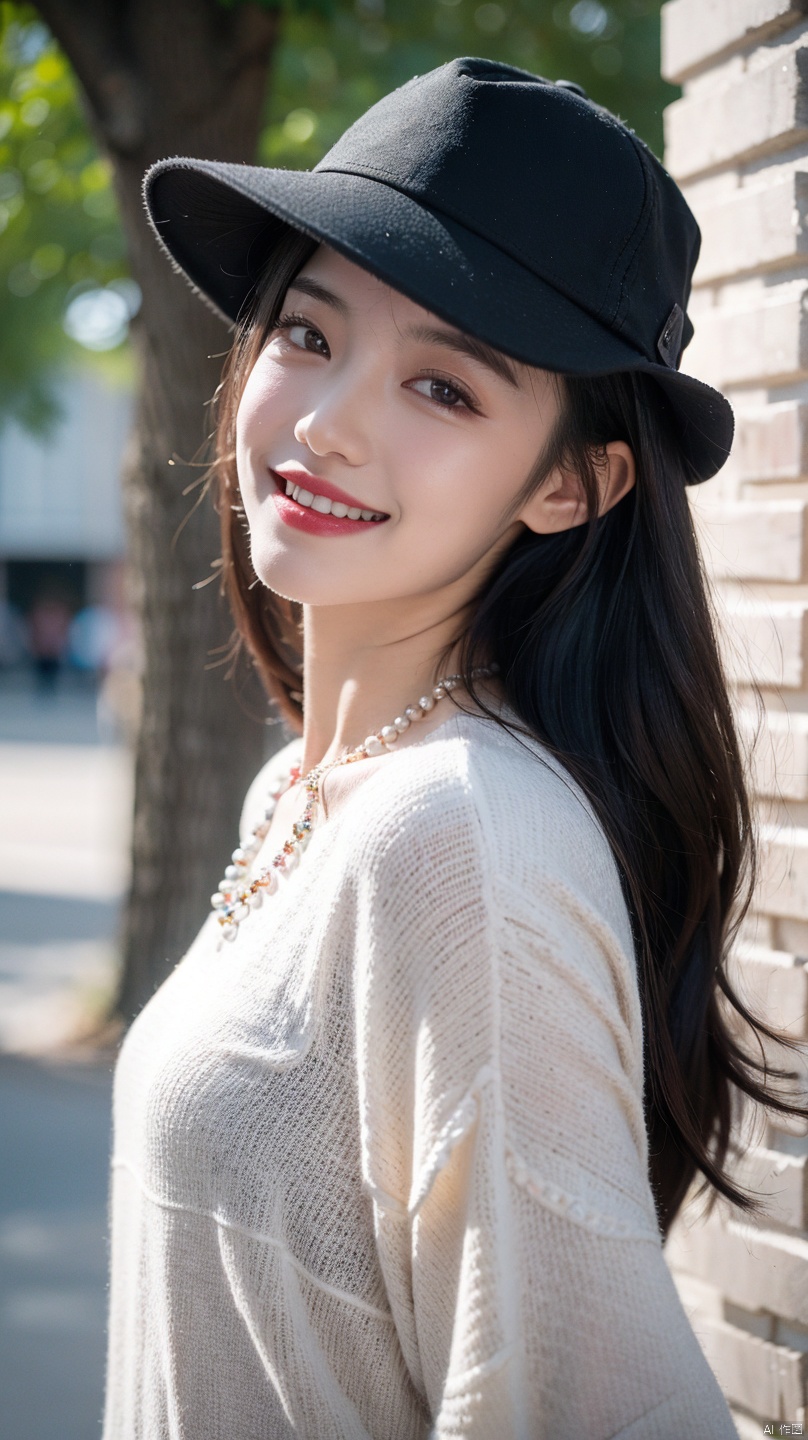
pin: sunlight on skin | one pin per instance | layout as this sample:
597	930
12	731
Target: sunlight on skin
431	437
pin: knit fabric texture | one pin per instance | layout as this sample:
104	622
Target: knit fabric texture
380	1168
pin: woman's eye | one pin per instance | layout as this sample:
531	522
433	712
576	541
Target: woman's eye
306	336
444	394
312	339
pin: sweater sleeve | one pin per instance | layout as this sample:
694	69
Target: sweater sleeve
504	1147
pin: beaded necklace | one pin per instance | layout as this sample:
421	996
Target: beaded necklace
239	891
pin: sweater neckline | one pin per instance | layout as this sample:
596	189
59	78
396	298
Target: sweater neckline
330	819
506	712
455	716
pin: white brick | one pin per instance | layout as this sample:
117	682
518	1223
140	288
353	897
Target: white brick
697	31
772	444
774	984
759	1269
757	929
764	643
749	1427
794	1336
754	228
783	882
786	1132
764	343
779	751
792	937
769	1379
744	118
760	112
781	1179
754	1322
700	1299
751	1355
751	540
792	1060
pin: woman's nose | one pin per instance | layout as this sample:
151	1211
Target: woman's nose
336	422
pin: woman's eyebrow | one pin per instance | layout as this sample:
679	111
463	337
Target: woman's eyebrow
316	291
468	345
431	335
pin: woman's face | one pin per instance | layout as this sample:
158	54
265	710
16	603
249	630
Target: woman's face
362	398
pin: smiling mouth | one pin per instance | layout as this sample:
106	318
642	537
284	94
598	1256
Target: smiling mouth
322	505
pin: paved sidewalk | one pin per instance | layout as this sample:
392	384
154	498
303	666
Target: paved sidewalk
64	835
65	822
54	1140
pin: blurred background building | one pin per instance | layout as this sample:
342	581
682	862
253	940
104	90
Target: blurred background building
62	569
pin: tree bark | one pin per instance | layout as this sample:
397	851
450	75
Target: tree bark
184	78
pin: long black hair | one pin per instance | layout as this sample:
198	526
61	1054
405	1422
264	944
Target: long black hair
607	651
607	646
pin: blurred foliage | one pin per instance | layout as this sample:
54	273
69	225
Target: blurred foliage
329	70
59	232
59	229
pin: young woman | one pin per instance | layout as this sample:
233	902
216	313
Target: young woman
398	1142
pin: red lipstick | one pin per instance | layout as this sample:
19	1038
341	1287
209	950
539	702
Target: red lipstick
314	522
318	486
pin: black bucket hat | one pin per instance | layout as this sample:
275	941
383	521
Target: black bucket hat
513	207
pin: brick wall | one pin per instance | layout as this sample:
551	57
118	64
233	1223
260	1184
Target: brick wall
737	142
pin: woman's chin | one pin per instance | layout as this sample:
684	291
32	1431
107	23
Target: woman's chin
290	583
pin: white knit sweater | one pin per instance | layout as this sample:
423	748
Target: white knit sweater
380	1166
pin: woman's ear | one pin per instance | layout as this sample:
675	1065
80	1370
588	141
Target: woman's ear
560	503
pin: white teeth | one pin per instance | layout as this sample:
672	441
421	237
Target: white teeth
324	506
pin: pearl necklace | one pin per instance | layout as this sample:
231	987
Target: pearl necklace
239	892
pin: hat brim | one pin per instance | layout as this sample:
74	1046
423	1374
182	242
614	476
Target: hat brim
219	223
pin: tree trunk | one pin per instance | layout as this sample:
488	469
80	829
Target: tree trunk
185	78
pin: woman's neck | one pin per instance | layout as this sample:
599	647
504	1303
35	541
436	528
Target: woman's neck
362	670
